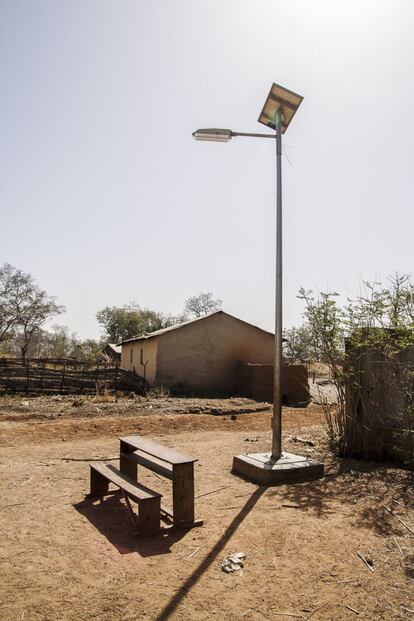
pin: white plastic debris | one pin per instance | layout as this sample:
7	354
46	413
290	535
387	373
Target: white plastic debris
233	563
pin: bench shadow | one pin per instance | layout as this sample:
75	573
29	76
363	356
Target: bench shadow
110	517
211	556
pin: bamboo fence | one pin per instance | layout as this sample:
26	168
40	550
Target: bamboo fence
65	376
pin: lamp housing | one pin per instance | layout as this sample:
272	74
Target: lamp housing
213	134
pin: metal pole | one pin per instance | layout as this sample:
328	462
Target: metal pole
277	388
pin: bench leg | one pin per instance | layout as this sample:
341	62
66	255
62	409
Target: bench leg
127	466
149	517
99	484
183	494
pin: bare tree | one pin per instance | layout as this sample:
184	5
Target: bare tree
13	293
202	304
24	307
38	308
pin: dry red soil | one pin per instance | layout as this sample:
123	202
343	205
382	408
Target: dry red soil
64	558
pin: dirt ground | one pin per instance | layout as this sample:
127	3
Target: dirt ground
64	558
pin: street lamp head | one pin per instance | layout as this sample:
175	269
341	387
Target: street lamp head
283	100
213	134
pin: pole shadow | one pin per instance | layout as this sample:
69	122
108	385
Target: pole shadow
211	556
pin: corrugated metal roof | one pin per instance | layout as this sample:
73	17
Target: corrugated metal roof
177	326
115	347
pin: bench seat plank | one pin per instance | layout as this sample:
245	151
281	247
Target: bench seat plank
135	490
169	455
151	465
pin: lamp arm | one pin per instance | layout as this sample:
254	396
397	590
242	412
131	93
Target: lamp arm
249	135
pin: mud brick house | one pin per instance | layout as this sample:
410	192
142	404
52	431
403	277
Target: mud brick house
198	356
203	356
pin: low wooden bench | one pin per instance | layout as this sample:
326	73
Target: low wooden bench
149	502
179	468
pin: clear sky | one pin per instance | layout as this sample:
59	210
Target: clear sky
106	198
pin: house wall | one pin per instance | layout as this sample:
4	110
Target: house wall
149	356
202	356
256	382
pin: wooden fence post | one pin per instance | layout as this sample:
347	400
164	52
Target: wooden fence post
63	377
27	375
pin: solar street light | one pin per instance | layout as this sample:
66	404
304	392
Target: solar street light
277	113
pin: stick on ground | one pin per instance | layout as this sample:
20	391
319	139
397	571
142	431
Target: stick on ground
212	491
350	608
399	519
398	546
364	560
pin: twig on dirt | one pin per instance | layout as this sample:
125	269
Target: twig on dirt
4	558
406	609
350	608
112	559
195	551
301	440
189	554
364	560
87	458
260	613
182	556
17	504
399	519
269	507
291	506
212	491
316	610
398	546
27	481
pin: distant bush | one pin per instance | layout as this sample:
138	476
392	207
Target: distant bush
158	392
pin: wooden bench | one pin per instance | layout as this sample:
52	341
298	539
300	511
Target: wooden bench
149	502
179	468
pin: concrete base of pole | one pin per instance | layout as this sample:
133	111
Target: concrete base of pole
289	468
